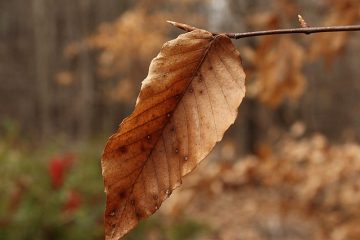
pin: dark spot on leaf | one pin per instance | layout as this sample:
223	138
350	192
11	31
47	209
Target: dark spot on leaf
210	68
122	195
112	213
176	150
172	129
155	197
138	214
201	91
123	149
168	192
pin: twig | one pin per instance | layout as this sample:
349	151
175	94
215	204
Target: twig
307	30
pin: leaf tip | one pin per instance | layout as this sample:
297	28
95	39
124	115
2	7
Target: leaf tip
182	26
171	22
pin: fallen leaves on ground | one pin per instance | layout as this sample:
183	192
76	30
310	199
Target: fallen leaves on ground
304	189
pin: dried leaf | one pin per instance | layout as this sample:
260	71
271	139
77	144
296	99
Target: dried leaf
188	100
327	45
64	78
278	66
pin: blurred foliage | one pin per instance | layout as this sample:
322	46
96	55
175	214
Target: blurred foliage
126	45
329	46
298	188
277	62
156	228
293	187
44	195
274	63
47	194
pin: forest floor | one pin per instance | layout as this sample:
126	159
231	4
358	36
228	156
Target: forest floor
297	188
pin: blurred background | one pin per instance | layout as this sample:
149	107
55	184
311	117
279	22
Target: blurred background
288	169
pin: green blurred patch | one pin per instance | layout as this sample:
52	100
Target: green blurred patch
156	228
32	207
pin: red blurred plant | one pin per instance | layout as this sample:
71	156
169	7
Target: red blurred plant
73	201
14	203
57	168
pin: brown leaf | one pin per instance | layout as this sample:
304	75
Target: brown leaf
327	45
188	100
278	67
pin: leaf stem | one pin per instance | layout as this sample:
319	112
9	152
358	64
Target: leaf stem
304	30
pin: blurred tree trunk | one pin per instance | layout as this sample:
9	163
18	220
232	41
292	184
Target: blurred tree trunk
44	41
34	34
85	76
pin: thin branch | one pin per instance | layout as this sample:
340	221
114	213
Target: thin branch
307	30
